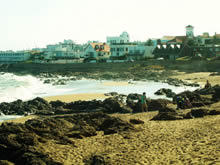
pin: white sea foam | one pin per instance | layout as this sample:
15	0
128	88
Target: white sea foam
13	87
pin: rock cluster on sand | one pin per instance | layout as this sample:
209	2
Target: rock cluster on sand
197	100
116	104
21	143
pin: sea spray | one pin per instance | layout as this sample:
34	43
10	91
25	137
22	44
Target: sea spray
13	87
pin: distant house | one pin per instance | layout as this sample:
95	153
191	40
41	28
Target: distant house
123	38
10	56
97	51
64	50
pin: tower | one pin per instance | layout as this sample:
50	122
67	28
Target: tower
189	31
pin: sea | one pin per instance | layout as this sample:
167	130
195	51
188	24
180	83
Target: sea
26	87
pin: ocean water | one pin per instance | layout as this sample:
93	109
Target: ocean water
13	87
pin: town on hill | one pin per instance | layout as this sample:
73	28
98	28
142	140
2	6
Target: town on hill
122	49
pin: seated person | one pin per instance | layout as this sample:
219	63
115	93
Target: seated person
208	85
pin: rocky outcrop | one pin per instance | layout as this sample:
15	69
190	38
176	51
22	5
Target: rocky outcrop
177	82
21	143
136	121
166	92
19	107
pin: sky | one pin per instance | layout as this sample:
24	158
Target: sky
27	24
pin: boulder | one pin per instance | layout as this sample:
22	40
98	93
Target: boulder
216	95
199	112
166	92
157	104
97	160
136	121
134	96
113	105
167	116
57	103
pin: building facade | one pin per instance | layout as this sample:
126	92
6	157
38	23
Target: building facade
123	38
97	51
14	56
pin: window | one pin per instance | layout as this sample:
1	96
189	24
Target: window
126	49
117	49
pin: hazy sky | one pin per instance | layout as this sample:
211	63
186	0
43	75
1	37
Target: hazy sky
35	23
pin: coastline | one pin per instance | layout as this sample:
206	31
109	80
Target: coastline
194	141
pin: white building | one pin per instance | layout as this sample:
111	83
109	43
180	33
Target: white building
14	56
131	50
189	31
66	49
97	51
123	38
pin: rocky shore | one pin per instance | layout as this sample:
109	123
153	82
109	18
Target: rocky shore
113	131
63	122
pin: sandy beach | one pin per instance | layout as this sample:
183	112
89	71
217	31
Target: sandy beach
76	97
194	141
189	141
198	77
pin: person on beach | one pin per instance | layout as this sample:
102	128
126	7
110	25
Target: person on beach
208	85
187	103
143	102
179	101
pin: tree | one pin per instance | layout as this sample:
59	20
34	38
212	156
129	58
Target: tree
149	42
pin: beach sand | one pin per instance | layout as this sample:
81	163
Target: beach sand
190	141
199	77
193	141
76	97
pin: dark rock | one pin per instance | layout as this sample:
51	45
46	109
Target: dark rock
98	160
216	95
113	105
199	112
188	116
47	81
111	94
57	103
166	92
21	143
214	112
115	125
167	109
134	96
157	104
136	121
167	116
